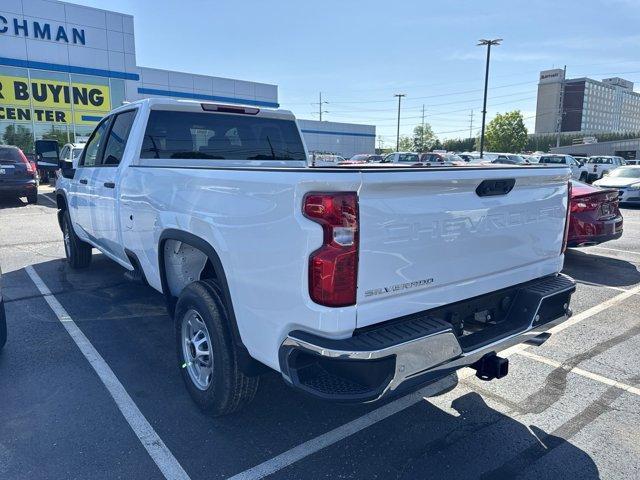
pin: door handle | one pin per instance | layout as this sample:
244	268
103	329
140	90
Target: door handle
109	184
83	181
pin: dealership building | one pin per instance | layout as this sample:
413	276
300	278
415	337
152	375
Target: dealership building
585	105
64	66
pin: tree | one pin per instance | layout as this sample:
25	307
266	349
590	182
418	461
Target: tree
437	145
20	136
423	138
506	133
56	134
406	143
459	144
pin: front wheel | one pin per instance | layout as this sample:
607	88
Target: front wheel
207	354
78	253
583	176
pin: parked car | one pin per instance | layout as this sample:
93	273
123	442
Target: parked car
18	176
626	180
352	284
402	157
531	158
599	166
594	216
441	158
510	159
70	153
578	169
468	157
366	158
3	318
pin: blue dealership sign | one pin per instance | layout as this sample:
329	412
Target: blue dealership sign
44	31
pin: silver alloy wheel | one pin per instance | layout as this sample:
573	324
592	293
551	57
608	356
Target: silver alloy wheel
67	239
196	349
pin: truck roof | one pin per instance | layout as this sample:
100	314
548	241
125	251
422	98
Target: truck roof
194	105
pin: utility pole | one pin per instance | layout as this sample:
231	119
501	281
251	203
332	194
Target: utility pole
560	109
399	95
422	131
488	43
471	124
320	104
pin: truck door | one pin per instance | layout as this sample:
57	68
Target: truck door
104	211
83	194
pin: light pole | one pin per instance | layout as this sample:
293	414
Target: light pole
399	95
488	43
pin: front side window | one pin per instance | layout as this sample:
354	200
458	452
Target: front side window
92	150
118	136
215	136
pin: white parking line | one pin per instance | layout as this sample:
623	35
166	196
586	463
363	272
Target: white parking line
161	455
49	198
619	250
593	284
327	439
581	372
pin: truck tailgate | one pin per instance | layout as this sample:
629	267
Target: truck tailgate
427	238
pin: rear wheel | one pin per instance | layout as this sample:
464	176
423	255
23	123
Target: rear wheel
78	253
207	353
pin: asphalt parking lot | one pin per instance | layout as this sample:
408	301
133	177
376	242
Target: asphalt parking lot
568	409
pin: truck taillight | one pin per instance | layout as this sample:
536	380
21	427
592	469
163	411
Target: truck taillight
567	220
333	268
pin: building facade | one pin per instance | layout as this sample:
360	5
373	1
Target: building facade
64	66
587	105
345	139
628	149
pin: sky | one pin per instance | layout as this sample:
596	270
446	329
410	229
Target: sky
360	53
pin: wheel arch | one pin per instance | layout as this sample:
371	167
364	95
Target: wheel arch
213	264
61	202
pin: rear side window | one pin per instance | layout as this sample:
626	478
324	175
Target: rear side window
118	136
9	156
195	135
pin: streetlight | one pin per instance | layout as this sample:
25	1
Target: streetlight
488	43
399	95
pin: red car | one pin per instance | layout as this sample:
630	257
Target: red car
594	216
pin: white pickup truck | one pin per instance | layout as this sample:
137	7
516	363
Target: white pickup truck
353	282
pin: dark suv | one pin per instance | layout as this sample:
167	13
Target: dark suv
17	174
3	320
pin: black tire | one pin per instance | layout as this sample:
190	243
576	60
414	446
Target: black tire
228	388
3	325
78	253
32	197
583	177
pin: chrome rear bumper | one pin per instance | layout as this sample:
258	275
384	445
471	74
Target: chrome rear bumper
415	350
